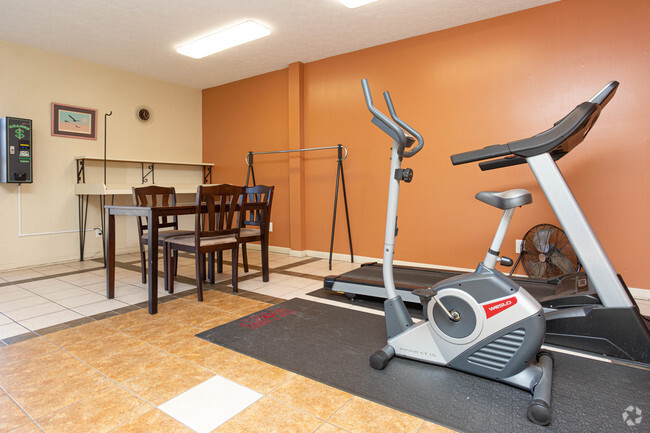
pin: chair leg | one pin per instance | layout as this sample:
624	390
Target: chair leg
176	264
143	264
172	260
235	258
166	265
219	262
265	260
244	257
211	267
200	267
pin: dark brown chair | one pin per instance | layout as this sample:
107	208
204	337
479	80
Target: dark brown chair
217	224
255	226
156	196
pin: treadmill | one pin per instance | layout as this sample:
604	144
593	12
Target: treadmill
599	315
569	290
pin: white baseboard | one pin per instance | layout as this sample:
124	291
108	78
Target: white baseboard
641	294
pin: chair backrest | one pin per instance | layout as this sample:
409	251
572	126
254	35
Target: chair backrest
260	216
223	213
156	196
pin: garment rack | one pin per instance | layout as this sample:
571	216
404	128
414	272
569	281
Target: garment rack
342	153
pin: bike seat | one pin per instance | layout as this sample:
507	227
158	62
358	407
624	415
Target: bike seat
505	199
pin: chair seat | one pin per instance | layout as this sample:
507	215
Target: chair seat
216	240
249	233
168	234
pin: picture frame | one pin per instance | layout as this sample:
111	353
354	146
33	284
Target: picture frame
74	122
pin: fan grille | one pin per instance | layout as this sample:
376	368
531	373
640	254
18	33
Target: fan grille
547	253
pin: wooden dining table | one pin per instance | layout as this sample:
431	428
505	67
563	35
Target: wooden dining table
153	214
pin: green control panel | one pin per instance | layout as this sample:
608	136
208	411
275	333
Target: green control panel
16	150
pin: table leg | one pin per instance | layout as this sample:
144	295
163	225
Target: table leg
153	262
110	257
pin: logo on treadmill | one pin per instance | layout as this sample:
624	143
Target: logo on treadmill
499	306
262	319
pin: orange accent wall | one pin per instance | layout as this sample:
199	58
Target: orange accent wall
464	88
251	115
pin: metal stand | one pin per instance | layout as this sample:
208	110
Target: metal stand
250	175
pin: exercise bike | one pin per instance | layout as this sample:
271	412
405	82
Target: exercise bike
481	323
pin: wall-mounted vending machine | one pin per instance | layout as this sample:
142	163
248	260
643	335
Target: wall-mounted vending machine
16	152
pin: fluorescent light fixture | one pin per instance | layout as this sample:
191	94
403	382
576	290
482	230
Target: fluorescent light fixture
223	39
356	3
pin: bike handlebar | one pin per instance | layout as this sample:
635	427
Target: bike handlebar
389	126
409	129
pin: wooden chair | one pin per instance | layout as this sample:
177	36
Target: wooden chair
216	229
255	226
155	196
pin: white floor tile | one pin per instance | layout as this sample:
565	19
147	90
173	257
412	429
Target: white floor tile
134	298
41	322
66	294
4	319
99	307
12	293
210	404
85	299
49	286
11	330
34	311
19	274
277	290
17	304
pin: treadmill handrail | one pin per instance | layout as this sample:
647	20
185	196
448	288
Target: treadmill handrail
565	135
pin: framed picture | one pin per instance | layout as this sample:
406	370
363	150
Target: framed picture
76	122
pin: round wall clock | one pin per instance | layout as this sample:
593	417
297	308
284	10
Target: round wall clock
143	114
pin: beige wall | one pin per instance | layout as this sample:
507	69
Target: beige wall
30	80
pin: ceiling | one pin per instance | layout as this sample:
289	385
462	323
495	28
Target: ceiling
140	36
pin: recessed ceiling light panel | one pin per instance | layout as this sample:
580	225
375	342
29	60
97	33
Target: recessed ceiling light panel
230	37
356	3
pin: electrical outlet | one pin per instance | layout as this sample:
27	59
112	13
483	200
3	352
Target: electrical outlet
98	232
518	246
270	226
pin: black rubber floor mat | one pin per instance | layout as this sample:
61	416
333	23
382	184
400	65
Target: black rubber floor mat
332	345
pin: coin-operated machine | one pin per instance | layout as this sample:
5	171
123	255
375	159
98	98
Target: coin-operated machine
16	150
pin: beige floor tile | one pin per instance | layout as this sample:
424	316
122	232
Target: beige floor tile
310	396
99	412
26	349
133	318
329	428
11	416
256	375
27	428
213	357
80	333
429	427
363	416
153	421
59	390
163	327
130	363
192	313
91	351
20	374
268	415
182	343
167	379
220	320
